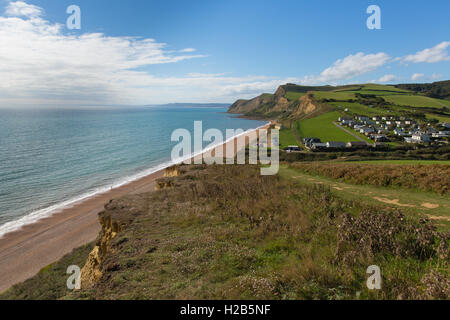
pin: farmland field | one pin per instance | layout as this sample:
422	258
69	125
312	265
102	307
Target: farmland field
401	162
361	109
333	95
287	138
292	96
322	127
381	87
417	101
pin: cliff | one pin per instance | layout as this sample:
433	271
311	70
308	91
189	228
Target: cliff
278	106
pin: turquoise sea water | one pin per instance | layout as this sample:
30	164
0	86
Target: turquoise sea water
51	158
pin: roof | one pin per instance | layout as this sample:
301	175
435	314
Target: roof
357	143
336	144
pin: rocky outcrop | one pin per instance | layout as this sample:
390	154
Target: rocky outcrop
247	106
91	271
277	106
117	214
307	106
173	171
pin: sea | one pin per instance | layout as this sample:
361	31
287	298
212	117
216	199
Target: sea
52	158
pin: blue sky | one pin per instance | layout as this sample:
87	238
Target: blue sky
212	50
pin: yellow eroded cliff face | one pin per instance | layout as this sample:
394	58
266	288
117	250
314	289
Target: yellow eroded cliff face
305	106
173	171
91	271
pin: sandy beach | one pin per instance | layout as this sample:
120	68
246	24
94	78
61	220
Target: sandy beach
26	251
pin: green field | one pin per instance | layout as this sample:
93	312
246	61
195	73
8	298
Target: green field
361	109
381	87
417	101
402	162
322	127
287	138
292	96
333	95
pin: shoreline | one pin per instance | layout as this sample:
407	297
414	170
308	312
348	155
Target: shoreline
25	251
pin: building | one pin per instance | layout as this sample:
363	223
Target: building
367	131
335	145
309	141
292	149
420	138
439	135
356	144
363	118
380	138
318	146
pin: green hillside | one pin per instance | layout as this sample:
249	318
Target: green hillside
322	127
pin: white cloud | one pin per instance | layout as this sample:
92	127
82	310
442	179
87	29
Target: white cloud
436	76
417	76
42	64
188	50
432	55
353	65
387	78
22	9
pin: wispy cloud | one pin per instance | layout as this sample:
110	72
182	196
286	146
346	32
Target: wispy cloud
354	65
387	78
417	76
188	50
435	54
22	9
40	63
349	67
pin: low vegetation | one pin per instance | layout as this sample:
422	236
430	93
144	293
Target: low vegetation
226	232
408	152
435	178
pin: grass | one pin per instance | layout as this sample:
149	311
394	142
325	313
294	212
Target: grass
410	201
287	138
292	96
381	87
417	101
435	178
438	117
333	95
322	127
402	162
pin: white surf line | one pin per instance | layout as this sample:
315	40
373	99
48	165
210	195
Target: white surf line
37	215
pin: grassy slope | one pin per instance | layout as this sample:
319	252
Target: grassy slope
228	232
287	138
417	101
410	201
322	127
402	162
292	96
